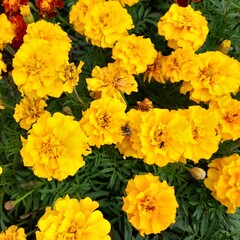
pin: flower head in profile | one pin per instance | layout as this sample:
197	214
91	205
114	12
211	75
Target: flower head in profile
78	13
3	67
103	121
7	31
112	81
13	6
155	70
36	68
106	23
150	205
134	53
47	8
73	219
163	135
227	112
183	27
54	147
217	75
29	110
205	138
223	178
12	233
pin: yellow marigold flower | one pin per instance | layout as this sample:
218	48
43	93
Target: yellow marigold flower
112	81
224	46
150	205
50	32
1	170
3	67
223	178
103	121
179	65
73	219
29	110
7	31
78	13
13	232
36	68
155	70
205	138
183	27
106	23
134	53
54	147
227	112
217	75
163	136
69	74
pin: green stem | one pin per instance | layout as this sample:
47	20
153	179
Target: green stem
77	96
24	196
10	50
63	20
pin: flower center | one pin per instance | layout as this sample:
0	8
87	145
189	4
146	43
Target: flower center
148	203
232	117
104	121
160	137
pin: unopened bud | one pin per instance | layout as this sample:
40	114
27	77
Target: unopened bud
26	14
67	111
197	173
1	105
9	205
224	46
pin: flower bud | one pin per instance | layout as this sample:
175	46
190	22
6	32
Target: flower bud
224	46
9	205
1	105
67	111
26	13
198	173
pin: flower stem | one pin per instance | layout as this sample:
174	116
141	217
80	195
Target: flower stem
10	50
77	96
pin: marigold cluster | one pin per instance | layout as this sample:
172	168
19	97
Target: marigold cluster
13	6
223	178
150	205
73	219
13	233
52	153
183	27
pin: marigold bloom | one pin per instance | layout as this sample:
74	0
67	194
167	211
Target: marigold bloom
183	27
155	70
29	110
227	112
47	8
205	138
78	13
106	23
150	205
36	68
179	65
13	6
50	32
7	31
134	53
73	219
54	147
3	67
13	232
112	81
103	121
163	136
223	178
217	75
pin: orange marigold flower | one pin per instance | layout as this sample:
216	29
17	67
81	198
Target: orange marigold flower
13	6
155	70
205	138
54	147
150	205
217	75
13	232
227	112
73	219
103	121
47	8
106	23
29	110
134	53
223	178
112	81
7	31
3	67
183	27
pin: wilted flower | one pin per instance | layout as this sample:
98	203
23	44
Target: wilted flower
47	8
73	219
223	178
150	205
183	27
13	233
54	147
